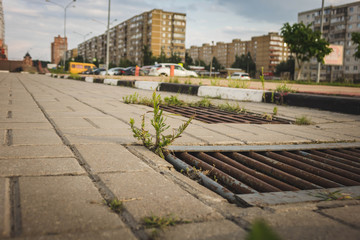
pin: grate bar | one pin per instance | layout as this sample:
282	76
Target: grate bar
268	171
212	115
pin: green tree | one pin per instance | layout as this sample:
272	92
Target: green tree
215	64
246	63
148	58
304	43
174	58
124	62
188	61
286	66
355	37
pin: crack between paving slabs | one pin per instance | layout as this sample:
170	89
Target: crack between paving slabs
105	192
337	220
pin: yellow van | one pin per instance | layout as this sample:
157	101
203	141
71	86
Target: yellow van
77	67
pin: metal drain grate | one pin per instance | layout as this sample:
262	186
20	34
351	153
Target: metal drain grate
276	168
213	115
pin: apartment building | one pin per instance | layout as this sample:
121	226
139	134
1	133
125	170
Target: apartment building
267	51
58	49
162	31
338	25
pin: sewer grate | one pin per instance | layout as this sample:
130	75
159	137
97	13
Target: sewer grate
213	115
268	169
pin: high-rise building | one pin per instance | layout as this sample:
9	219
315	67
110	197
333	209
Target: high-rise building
58	49
3	47
161	31
338	25
267	51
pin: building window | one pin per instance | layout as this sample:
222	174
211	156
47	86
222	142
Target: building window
350	26
351	9
355	67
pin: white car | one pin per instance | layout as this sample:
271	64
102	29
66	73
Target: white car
239	75
111	71
163	69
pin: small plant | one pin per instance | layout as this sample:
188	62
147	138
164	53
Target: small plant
75	76
158	122
131	99
267	116
262	79
205	102
200	83
173	100
232	108
275	111
283	88
116	205
233	84
188	81
260	230
336	195
161	222
215	82
303	120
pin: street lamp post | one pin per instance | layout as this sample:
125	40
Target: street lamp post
211	58
65	8
108	40
321	31
84	36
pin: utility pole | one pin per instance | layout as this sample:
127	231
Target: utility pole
321	31
108	40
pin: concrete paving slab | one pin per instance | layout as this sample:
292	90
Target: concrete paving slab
347	214
81	139
25	125
99	132
123	233
152	194
35	137
3	215
44	151
40	167
72	123
109	123
206	230
300	222
55	205
111	158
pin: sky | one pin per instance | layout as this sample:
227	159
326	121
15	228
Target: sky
31	25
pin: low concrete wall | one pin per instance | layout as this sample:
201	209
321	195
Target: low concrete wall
147	85
89	79
231	93
112	82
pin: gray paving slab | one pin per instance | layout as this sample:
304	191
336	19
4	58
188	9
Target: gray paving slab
40	167
25	125
121	234
34	151
347	214
207	230
109	123
99	132
301	222
67	204
111	158
72	123
35	137
99	139
4	227
152	194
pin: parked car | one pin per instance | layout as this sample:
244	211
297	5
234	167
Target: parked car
94	71
163	69
129	71
239	75
145	70
112	71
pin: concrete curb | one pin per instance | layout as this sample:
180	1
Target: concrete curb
231	93
179	88
147	85
112	82
89	79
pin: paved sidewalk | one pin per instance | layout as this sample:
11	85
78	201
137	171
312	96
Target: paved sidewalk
67	148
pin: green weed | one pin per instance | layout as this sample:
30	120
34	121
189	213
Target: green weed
260	230
275	111
173	100
232	108
303	120
205	102
336	195
262	79
131	99
158	122
215	82
116	205
283	88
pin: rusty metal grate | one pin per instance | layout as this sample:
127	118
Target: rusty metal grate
213	115
276	169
